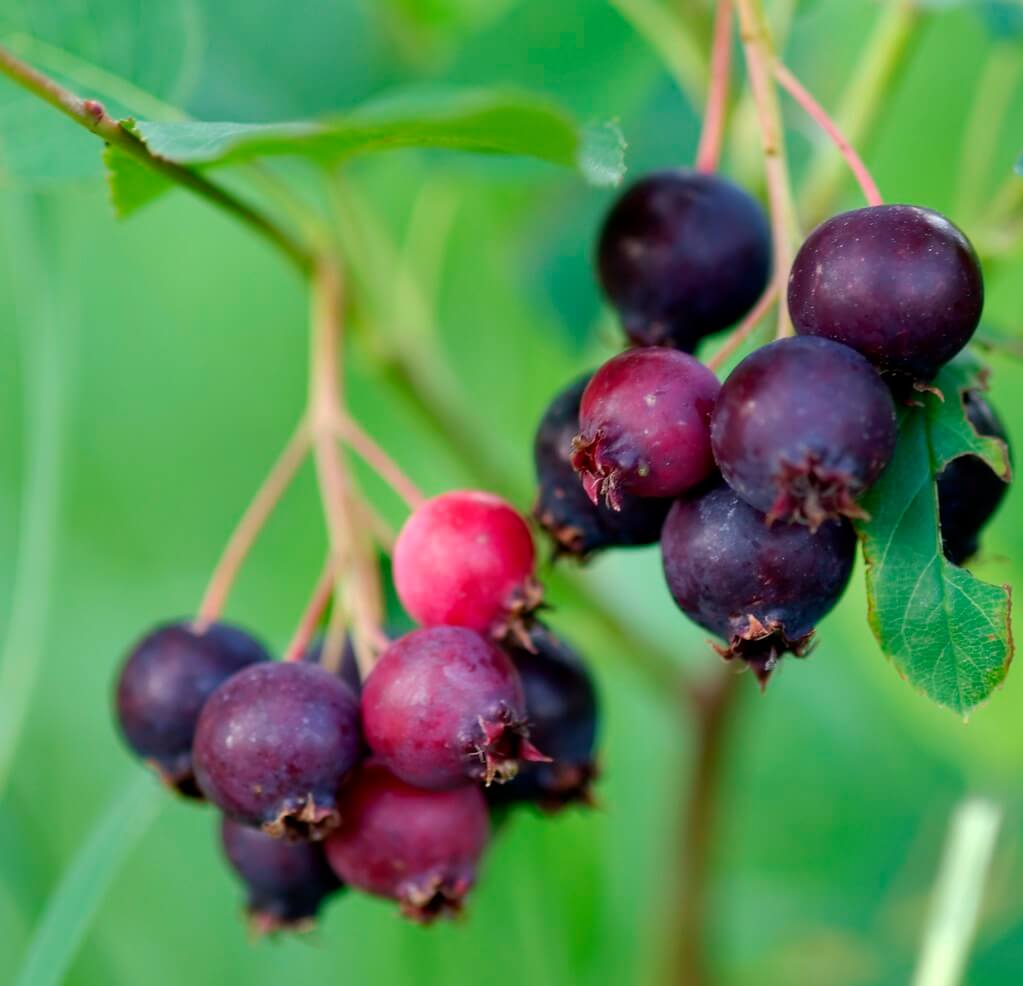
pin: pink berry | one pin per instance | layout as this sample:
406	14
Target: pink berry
444	707
420	848
644	426
466	559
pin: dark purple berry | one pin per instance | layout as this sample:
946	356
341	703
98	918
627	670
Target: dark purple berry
898	283
274	744
420	848
163	685
577	525
444	707
760	589
644	426
969	490
801	428
287	882
683	254
562	707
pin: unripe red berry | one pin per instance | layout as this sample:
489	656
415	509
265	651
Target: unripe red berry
466	559
444	707
420	848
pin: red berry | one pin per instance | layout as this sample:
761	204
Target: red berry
420	848
644	425
444	707
466	559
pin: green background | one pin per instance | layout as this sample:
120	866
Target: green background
150	371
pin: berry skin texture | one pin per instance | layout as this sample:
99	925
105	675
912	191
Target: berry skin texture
801	428
163	685
969	490
466	559
898	283
577	526
561	703
444	707
644	426
420	848
681	255
287	882
274	744
760	589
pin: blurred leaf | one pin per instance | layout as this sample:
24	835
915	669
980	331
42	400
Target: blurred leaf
947	632
132	185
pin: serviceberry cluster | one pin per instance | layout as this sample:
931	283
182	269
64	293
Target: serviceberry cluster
750	485
384	785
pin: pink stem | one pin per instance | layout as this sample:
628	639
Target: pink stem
381	463
314	611
817	113
745	328
708	153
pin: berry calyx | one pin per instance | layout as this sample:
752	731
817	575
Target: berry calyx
466	558
444	707
576	524
683	254
802	428
561	703
162	687
274	744
898	283
420	848
287	882
760	589
644	426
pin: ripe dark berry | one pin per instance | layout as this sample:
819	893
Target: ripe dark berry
681	255
466	559
577	525
420	848
274	744
287	882
969	490
898	283
562	707
801	428
644	426
761	589
162	687
444	707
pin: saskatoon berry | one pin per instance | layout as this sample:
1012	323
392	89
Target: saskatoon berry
898	283
286	881
801	428
969	490
644	426
162	687
577	525
761	589
562	707
682	255
444	707
274	744
420	848
466	559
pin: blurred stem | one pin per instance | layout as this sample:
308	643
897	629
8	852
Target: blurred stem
90	114
383	465
885	53
711	708
310	619
708	154
745	328
756	42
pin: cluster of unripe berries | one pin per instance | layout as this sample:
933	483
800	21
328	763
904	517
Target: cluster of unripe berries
750	485
385	785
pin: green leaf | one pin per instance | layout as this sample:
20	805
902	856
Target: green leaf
132	185
946	631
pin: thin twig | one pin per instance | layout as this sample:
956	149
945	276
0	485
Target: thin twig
819	115
745	328
708	153
311	616
381	463
255	517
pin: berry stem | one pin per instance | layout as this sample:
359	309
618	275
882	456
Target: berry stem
255	517
382	464
818	114
708	154
312	615
745	328
756	43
